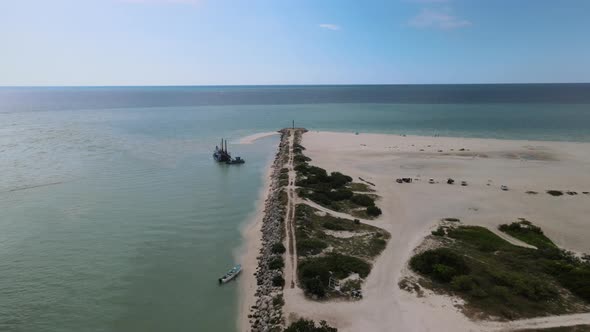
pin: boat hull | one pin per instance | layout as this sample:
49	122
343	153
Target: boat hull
231	275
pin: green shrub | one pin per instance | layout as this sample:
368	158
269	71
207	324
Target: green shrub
278	248
320	198
442	264
340	194
306	247
278	301
314	273
303	325
373	211
350	285
525	231
314	286
527	286
479	237
276	263
462	283
439	231
443	272
338	179
301	159
363	200
376	245
577	280
278	281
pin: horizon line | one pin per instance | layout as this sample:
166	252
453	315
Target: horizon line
281	85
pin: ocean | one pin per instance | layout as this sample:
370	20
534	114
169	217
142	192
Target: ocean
114	217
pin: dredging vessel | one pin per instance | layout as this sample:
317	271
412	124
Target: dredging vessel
223	156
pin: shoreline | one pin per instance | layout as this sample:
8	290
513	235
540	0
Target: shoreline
251	231
257	310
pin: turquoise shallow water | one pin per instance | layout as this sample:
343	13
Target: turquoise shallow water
117	219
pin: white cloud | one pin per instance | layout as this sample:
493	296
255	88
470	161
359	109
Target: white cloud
329	26
429	18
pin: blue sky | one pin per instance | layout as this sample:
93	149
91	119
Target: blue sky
210	42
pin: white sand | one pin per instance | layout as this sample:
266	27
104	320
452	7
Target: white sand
411	210
248	253
254	137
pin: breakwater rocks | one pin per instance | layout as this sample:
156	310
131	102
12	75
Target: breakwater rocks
267	314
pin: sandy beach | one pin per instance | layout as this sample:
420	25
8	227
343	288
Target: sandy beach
410	211
246	255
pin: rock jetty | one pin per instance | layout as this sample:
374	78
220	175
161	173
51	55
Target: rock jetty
267	314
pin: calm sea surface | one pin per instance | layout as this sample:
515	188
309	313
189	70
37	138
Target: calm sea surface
113	216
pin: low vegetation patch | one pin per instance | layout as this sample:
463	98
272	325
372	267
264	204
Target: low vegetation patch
525	231
335	191
499	279
359	187
574	328
304	325
276	263
278	248
555	192
329	244
314	273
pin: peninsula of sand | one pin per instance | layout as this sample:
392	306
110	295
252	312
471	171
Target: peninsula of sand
496	182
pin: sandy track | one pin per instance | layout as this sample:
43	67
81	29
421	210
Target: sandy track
291	253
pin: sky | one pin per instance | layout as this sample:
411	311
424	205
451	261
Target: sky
260	42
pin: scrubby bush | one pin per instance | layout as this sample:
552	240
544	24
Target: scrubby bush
525	231
373	211
340	194
462	283
278	248
555	192
518	284
363	200
442	264
577	280
338	179
306	247
314	286
301	159
276	263
314	273
304	325
334	226
376	245
278	281
278	301
320	198
438	232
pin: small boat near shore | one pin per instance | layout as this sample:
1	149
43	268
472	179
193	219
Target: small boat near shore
231	274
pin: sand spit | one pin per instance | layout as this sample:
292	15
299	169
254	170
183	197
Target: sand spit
411	210
254	137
